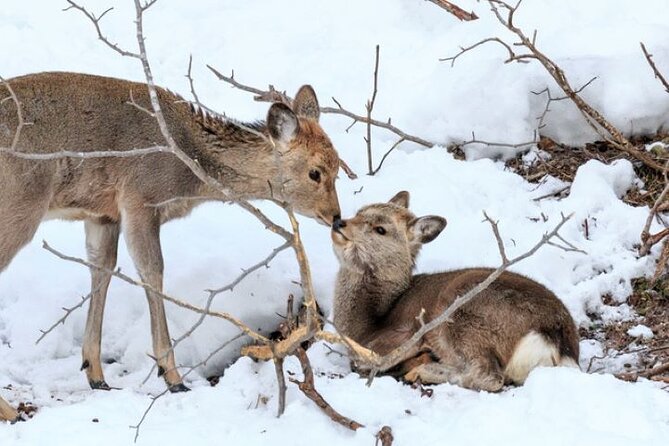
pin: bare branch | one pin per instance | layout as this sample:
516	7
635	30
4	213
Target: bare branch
117	273
19	115
505	14
202	363
369	107
658	75
272	95
512	55
96	23
648	240
457	11
393	147
68	312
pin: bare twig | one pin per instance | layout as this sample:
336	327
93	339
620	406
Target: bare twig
68	312
475	140
19	115
117	273
393	147
457	12
550	99
272	95
648	240
658	75
505	15
202	363
369	107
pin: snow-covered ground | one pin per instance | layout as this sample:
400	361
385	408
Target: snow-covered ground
330	44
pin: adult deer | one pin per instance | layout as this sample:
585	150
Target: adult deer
84	113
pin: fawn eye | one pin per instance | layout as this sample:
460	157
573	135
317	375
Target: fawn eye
315	175
380	230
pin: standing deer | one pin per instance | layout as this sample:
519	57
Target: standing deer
83	113
498	337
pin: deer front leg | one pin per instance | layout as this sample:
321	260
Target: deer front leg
477	374
7	412
141	227
101	247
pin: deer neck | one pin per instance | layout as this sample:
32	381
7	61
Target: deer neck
243	161
363	299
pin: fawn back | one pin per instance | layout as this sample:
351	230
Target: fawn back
509	328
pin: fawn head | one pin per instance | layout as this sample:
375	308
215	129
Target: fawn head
384	237
310	162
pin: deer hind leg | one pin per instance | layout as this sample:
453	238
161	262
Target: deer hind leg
101	247
481	373
142	234
19	218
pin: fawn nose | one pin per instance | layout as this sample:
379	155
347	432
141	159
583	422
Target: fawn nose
338	223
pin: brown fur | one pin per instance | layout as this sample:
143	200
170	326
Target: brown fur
377	301
79	112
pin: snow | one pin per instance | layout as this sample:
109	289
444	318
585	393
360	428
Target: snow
331	45
641	331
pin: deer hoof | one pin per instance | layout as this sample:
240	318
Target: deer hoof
99	385
176	388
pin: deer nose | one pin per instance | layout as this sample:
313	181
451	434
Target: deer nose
338	223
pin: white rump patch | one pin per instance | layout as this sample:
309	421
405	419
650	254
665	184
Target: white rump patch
532	351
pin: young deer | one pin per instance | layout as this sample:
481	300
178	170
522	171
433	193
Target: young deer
83	113
511	327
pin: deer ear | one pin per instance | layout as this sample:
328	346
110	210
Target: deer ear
281	122
306	103
426	229
401	199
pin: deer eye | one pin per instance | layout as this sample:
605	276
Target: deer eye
380	230
315	175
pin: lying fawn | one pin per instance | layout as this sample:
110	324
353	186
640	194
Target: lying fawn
511	327
83	113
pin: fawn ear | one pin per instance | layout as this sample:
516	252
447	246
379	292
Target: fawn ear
281	122
400	199
306	103
425	229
